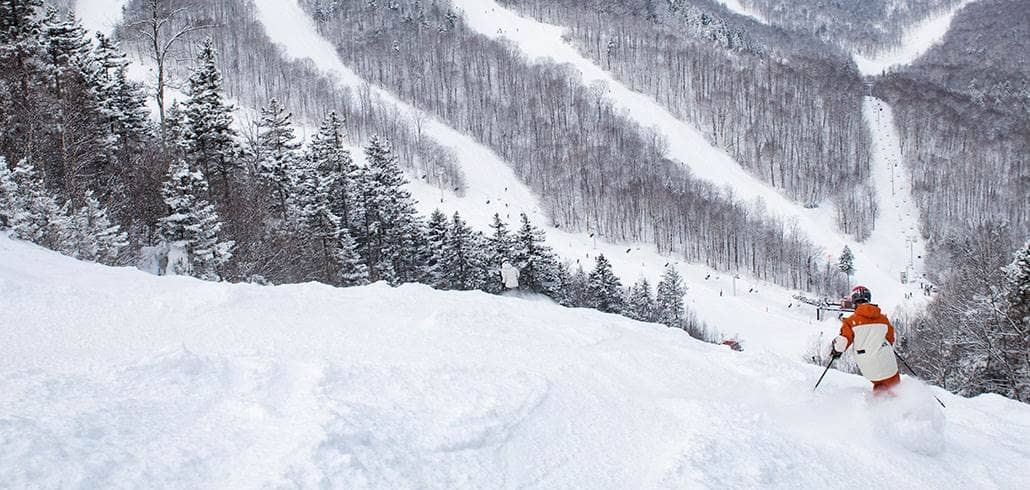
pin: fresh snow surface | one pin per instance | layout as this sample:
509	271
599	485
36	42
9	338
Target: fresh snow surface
916	41
737	7
110	377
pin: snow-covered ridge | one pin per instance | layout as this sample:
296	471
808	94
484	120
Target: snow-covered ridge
110	377
916	41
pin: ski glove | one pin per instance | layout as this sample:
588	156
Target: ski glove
834	354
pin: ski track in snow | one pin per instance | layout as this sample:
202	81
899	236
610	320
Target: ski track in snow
111	377
736	7
915	42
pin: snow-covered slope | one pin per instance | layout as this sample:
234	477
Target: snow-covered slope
115	378
917	40
737	7
898	220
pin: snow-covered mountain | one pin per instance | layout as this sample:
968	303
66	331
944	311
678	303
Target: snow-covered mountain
111	377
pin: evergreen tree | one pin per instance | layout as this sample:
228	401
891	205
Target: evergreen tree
641	303
122	102
30	211
464	260
605	289
537	264
436	244
329	158
578	289
670	310
846	264
208	139
18	21
277	155
1017	289
67	48
388	232
499	248
191	228
352	267
324	231
91	234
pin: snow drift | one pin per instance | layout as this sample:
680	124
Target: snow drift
110	377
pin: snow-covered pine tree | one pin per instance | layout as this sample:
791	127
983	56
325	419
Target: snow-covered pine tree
604	288
436	244
29	210
91	235
325	233
388	234
329	158
577	289
122	101
499	245
1015	338
846	264
537	264
67	48
277	156
208	139
1017	287
641	302
669	307
191	228
464	260
352	270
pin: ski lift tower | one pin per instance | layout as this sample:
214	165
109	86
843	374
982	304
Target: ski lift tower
869	85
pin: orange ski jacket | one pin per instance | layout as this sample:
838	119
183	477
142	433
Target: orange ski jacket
871	335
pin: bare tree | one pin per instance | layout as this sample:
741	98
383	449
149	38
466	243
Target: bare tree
160	41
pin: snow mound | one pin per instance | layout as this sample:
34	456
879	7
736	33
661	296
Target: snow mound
110	377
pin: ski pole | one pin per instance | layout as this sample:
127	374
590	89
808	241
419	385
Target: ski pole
913	371
824	372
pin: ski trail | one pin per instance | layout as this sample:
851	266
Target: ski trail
544	41
737	7
486	175
896	239
915	42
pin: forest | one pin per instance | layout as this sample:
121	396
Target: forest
594	168
789	116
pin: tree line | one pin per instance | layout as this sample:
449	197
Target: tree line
974	336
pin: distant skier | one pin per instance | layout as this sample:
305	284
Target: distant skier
509	275
872	336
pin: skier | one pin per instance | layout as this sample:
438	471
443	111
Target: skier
872	335
509	275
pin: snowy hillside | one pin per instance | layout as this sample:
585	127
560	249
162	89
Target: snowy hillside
112	377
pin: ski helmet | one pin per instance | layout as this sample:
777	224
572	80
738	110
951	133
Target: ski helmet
861	294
